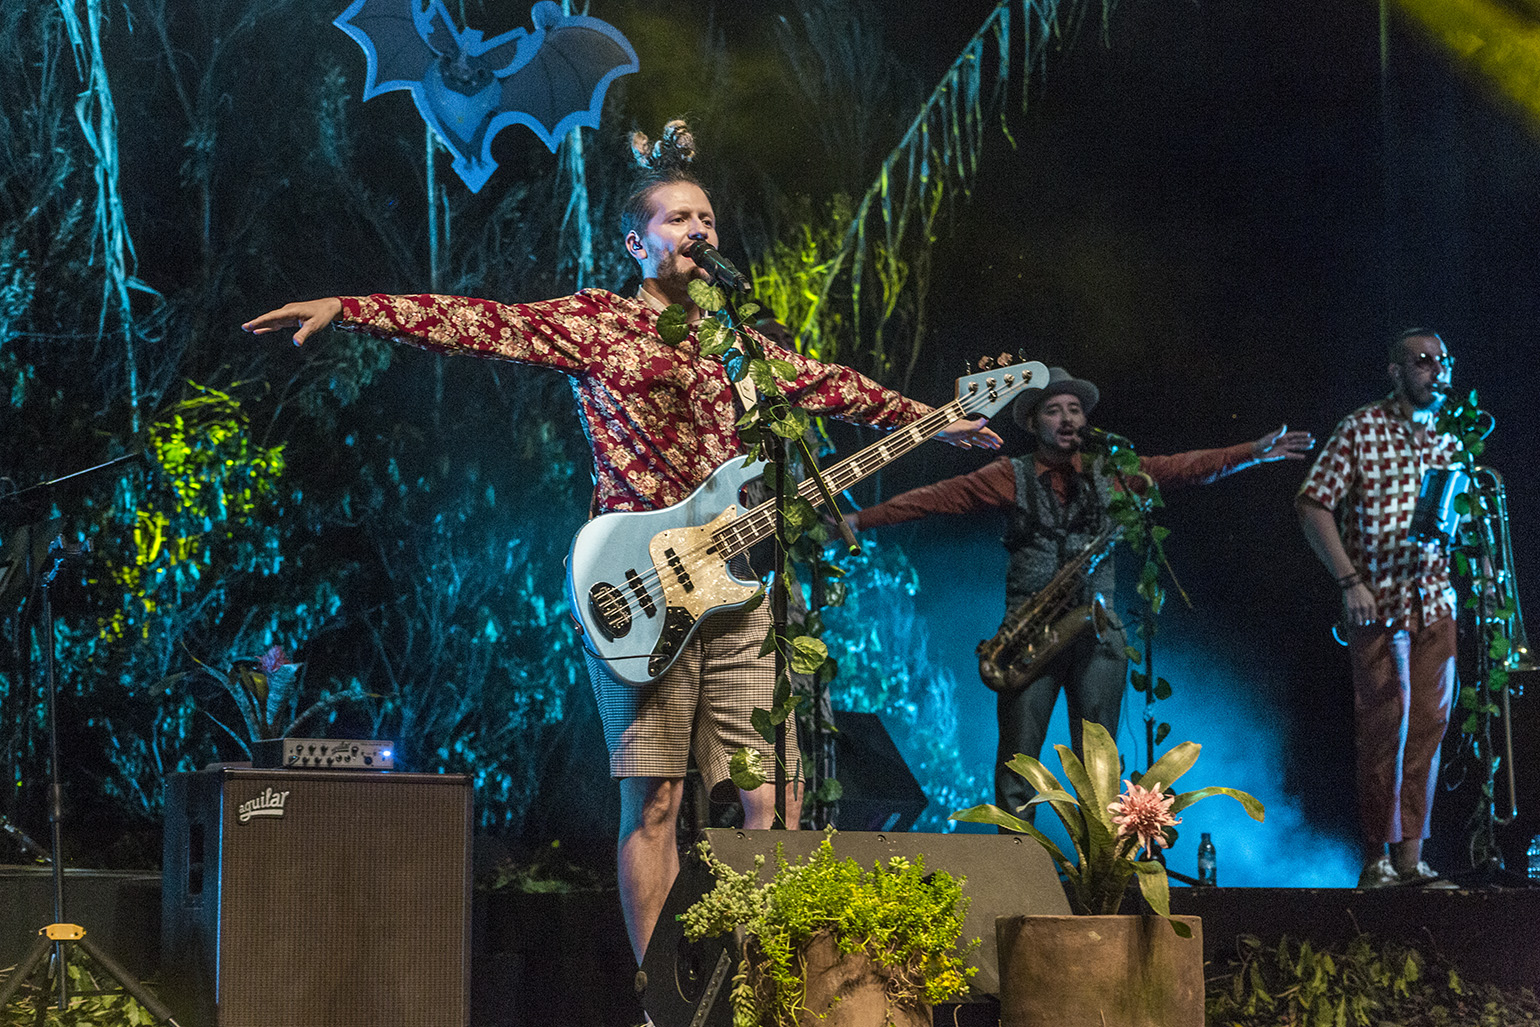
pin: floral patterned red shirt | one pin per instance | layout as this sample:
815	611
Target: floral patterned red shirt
1370	472
660	418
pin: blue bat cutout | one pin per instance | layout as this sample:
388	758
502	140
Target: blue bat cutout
468	89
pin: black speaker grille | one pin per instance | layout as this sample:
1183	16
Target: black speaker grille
342	898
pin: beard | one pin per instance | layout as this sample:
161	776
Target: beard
1428	399
675	272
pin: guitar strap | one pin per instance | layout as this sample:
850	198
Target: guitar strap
747	394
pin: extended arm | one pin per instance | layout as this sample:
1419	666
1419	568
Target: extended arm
991	487
836	391
559	333
1202	466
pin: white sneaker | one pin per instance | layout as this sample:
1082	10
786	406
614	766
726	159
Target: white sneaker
1425	876
1378	874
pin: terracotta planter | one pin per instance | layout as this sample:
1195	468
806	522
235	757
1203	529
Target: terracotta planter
851	991
1099	971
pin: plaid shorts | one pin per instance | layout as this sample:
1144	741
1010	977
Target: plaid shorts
708	694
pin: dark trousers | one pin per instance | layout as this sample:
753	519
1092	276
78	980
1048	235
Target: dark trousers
1091	674
1403	688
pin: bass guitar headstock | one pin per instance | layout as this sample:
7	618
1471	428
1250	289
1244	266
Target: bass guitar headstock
998	381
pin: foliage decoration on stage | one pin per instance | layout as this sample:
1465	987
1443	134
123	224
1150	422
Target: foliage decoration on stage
1482	551
211	477
1110	831
906	918
772	416
1365	981
468	89
889	231
96	114
1478	559
1133	508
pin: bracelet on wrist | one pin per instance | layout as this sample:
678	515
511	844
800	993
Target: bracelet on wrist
1347	581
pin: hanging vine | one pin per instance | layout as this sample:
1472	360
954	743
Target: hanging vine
98	119
889	231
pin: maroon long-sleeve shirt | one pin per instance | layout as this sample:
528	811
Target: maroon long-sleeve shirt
660	418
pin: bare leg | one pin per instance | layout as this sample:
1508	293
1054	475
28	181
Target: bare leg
647	855
759	807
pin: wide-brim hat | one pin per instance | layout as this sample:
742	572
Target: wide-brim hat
1060	383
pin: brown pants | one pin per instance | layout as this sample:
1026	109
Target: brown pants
1403	688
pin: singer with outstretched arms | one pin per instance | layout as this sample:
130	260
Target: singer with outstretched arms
661	419
1398	604
1056	505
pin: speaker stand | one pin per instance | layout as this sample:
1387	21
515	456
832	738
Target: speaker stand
58	937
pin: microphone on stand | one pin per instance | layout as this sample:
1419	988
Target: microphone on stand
717	266
1103	439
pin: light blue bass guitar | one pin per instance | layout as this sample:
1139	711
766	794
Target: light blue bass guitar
641	582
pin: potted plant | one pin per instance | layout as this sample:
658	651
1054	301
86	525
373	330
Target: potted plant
1098	967
829	942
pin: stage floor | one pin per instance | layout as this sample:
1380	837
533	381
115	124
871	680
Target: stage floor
527	952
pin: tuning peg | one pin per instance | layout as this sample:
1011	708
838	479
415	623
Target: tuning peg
985	363
1004	360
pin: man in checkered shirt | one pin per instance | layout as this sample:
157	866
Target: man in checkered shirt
1398	605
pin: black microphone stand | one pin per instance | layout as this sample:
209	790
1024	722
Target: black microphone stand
55	938
776	452
1114	444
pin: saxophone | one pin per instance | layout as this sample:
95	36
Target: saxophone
1041	627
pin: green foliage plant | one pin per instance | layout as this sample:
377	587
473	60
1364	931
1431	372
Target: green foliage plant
1105	850
91	1003
1476	560
1363	983
906	919
1132	511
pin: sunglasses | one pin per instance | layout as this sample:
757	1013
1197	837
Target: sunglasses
1428	360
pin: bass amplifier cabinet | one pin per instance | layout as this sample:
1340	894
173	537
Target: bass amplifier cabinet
292	898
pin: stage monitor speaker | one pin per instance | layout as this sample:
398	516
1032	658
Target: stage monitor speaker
687	984
878	793
292	898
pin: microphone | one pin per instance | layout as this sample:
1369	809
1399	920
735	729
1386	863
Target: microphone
717	266
1103	438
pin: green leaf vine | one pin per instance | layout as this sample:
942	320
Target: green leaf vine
1132	510
724	335
1479	558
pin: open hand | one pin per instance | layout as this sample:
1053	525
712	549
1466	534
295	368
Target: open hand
968	434
1283	445
308	317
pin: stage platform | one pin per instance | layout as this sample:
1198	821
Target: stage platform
559	959
1490	934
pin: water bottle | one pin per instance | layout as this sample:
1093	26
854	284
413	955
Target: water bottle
1534	859
1208	874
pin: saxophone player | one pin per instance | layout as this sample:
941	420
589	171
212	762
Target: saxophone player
1055	505
1398	603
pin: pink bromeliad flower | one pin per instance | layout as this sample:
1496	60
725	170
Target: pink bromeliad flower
272	660
1143	812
